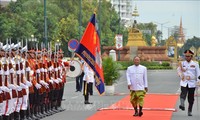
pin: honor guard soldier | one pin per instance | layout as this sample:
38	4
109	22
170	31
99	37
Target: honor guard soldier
38	88
12	86
1	80
188	71
62	76
1	93
7	91
87	78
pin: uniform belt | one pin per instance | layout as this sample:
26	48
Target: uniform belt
136	90
190	78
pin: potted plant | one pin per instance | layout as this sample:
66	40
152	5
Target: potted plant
111	74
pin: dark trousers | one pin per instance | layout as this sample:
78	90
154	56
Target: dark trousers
79	82
189	93
36	98
31	99
61	92
86	91
90	88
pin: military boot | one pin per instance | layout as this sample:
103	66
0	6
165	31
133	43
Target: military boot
190	109
182	105
21	113
5	117
16	116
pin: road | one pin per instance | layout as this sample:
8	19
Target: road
159	81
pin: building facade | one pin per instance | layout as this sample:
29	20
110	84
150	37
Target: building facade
6	2
124	9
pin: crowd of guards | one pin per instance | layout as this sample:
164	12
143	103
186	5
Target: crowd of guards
31	81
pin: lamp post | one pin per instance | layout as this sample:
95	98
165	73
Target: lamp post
179	46
45	25
33	41
80	19
119	30
161	27
57	44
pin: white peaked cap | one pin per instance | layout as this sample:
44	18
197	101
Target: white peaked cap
24	49
11	46
1	44
17	45
5	47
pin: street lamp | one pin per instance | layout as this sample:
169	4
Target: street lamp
33	40
179	46
161	26
80	19
57	44
45	24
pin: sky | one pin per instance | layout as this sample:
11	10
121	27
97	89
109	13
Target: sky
167	13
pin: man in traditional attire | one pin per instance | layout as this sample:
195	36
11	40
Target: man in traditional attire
137	84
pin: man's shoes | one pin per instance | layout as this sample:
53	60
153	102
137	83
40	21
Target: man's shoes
86	102
136	114
140	114
61	109
181	107
189	113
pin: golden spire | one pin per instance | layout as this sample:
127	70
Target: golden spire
181	36
135	12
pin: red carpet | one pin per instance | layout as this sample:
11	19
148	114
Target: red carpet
156	107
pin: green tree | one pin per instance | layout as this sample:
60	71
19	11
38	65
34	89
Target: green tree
150	27
23	18
189	43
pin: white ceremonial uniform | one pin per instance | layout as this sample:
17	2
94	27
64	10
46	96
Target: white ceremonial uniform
137	77
85	69
1	105
90	75
13	87
24	105
190	73
19	88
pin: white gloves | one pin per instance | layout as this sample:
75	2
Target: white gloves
5	89
56	81
46	85
19	88
38	86
13	87
60	80
51	81
29	84
23	86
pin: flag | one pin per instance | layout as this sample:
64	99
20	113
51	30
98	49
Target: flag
89	50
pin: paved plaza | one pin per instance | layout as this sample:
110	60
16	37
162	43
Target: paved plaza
160	82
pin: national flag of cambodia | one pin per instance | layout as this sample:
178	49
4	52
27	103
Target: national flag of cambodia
89	50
